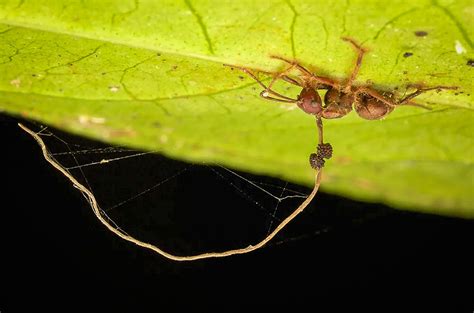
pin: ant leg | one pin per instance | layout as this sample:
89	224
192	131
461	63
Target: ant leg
360	54
422	90
291	80
405	101
321	80
246	71
283	75
375	94
265	93
416	105
293	64
277	76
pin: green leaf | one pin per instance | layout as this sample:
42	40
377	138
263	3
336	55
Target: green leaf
149	74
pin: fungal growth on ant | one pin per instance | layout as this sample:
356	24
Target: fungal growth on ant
308	100
341	97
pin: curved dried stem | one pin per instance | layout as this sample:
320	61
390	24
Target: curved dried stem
99	213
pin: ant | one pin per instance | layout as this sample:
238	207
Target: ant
369	103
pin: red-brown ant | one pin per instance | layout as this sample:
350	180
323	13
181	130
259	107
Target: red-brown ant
368	102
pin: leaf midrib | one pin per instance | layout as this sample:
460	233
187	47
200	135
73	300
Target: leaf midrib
106	40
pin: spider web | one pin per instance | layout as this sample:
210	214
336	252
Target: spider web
187	208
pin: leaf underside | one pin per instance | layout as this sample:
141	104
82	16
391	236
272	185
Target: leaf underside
150	74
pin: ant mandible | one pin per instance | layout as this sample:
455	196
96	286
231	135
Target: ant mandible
340	98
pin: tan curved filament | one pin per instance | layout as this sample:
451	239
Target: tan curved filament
100	216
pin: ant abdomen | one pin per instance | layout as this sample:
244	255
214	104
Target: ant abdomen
370	108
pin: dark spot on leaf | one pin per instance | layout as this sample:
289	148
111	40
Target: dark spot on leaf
33	75
158	54
175	67
405	72
470	63
241	77
421	33
407	54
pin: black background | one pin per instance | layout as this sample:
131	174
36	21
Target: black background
57	257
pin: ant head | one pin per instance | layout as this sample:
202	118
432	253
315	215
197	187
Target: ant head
309	101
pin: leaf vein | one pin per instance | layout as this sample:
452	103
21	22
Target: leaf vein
456	22
292	27
125	14
201	25
393	20
76	60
